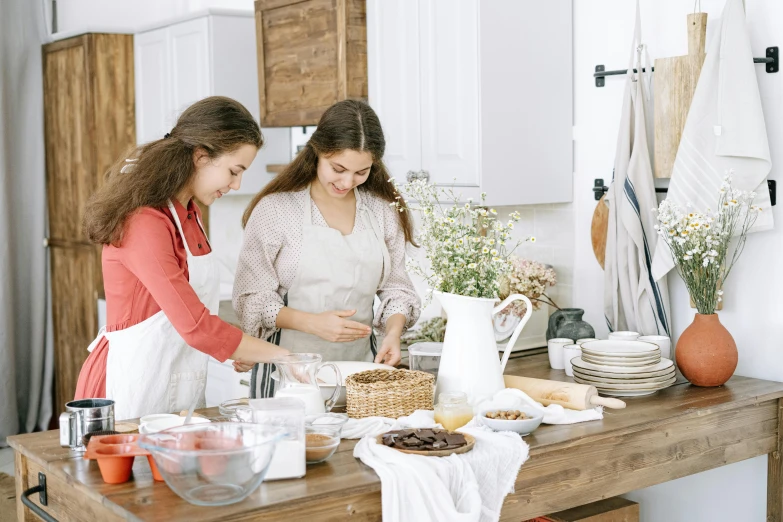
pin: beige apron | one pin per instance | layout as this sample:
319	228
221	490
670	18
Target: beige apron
335	272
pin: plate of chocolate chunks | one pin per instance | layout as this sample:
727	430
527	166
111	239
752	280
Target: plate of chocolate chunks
427	442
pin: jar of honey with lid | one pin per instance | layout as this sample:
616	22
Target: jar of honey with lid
453	410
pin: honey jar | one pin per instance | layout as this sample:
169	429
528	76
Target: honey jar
453	411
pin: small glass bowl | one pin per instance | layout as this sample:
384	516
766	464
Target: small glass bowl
320	443
229	408
331	420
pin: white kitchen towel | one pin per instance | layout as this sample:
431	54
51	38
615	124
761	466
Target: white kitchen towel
358	428
459	488
511	398
724	131
633	300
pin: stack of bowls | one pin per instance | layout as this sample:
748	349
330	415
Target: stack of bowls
623	368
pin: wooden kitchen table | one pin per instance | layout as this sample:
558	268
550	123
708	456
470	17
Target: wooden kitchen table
674	433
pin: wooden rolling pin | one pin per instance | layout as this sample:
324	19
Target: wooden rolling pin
567	394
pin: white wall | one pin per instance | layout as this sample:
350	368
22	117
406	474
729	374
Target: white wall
602	35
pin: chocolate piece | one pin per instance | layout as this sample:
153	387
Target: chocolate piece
455	439
423	440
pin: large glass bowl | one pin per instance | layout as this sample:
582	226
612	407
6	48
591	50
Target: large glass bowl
213	464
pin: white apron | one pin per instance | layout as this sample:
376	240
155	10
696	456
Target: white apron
150	368
633	300
335	272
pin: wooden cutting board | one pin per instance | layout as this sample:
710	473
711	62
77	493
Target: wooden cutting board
598	230
675	82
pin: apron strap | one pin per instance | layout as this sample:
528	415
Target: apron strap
307	214
179	227
182	234
372	224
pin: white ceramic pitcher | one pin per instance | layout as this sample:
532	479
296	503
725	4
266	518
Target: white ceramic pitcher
469	362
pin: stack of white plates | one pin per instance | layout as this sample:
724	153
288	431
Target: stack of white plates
623	368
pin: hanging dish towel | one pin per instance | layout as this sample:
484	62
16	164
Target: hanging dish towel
459	488
724	130
633	300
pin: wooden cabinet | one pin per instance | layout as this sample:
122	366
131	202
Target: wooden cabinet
476	95
311	54
88	123
183	62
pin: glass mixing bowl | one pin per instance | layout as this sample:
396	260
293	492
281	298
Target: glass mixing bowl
213	464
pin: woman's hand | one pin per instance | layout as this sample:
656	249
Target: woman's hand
242	366
390	352
333	326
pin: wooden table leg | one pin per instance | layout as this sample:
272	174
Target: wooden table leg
775	475
20	474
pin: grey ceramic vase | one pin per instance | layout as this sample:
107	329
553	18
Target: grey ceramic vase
567	323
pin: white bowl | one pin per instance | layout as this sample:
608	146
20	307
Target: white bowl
157	416
166	423
523	427
326	377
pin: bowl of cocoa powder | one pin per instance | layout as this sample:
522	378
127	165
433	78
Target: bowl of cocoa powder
321	441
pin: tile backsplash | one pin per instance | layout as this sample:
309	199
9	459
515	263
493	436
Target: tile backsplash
552	225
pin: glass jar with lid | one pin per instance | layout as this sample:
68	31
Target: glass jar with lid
453	410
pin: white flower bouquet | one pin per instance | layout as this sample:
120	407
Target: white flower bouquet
531	279
700	242
467	247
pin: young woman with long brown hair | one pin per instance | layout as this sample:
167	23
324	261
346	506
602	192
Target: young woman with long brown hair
160	279
321	241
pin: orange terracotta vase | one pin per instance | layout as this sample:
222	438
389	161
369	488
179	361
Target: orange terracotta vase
706	352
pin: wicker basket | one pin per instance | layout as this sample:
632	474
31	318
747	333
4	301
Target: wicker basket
388	393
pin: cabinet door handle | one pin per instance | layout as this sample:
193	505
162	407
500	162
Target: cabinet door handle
413	176
244	382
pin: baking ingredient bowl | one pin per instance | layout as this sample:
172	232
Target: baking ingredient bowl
333	420
523	427
229	408
213	464
321	442
165	423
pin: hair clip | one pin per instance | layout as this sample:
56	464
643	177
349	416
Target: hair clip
168	135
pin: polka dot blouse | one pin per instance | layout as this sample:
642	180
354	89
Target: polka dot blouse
270	253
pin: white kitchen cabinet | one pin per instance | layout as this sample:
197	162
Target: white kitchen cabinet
477	95
210	55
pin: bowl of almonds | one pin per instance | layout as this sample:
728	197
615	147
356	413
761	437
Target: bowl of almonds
521	420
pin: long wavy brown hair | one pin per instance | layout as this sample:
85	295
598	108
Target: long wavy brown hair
152	174
346	125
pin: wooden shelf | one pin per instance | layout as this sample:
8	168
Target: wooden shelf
275	169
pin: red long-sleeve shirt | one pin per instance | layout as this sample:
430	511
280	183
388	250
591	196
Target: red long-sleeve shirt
149	273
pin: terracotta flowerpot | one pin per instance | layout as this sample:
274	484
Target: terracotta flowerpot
706	352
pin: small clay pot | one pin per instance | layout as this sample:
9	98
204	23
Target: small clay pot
706	353
154	468
115	467
119	439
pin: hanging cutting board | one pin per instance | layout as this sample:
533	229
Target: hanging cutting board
675	82
598	229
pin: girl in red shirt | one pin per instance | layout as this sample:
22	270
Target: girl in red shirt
160	277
